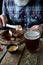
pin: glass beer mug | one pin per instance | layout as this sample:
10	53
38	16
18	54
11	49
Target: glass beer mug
32	40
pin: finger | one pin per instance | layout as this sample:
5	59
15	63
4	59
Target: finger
3	23
0	24
3	20
35	27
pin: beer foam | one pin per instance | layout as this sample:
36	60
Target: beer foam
32	35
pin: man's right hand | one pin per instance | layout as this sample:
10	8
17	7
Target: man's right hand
3	20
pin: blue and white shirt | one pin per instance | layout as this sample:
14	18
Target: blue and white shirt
31	13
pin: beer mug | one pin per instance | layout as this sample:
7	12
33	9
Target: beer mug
32	40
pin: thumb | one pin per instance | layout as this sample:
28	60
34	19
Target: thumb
3	21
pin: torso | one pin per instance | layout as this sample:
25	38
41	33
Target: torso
15	13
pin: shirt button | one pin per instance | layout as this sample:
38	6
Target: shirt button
25	24
40	17
24	16
14	16
35	17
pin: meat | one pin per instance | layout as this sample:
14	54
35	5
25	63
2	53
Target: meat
12	35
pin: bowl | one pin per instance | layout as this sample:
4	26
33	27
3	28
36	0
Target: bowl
12	48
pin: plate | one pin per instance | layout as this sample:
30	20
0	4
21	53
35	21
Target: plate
6	38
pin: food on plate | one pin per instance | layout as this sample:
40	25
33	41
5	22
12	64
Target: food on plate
15	33
11	31
12	38
19	27
12	35
6	35
17	39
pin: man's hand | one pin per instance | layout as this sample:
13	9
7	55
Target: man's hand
3	20
37	28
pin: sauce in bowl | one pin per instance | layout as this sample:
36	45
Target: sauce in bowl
12	48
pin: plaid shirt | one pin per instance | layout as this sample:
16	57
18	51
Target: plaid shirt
30	14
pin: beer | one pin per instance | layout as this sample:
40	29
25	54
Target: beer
32	40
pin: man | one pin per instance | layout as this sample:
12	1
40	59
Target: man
27	13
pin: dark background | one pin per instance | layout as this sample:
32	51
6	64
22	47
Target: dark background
1	6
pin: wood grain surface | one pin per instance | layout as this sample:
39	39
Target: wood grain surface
13	58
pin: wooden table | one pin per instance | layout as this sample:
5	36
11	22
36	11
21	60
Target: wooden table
24	57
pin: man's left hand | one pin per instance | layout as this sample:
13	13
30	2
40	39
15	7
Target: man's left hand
37	28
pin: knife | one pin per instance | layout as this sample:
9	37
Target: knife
8	26
12	26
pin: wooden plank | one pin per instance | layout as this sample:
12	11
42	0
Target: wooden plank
29	58
2	53
13	59
33	58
